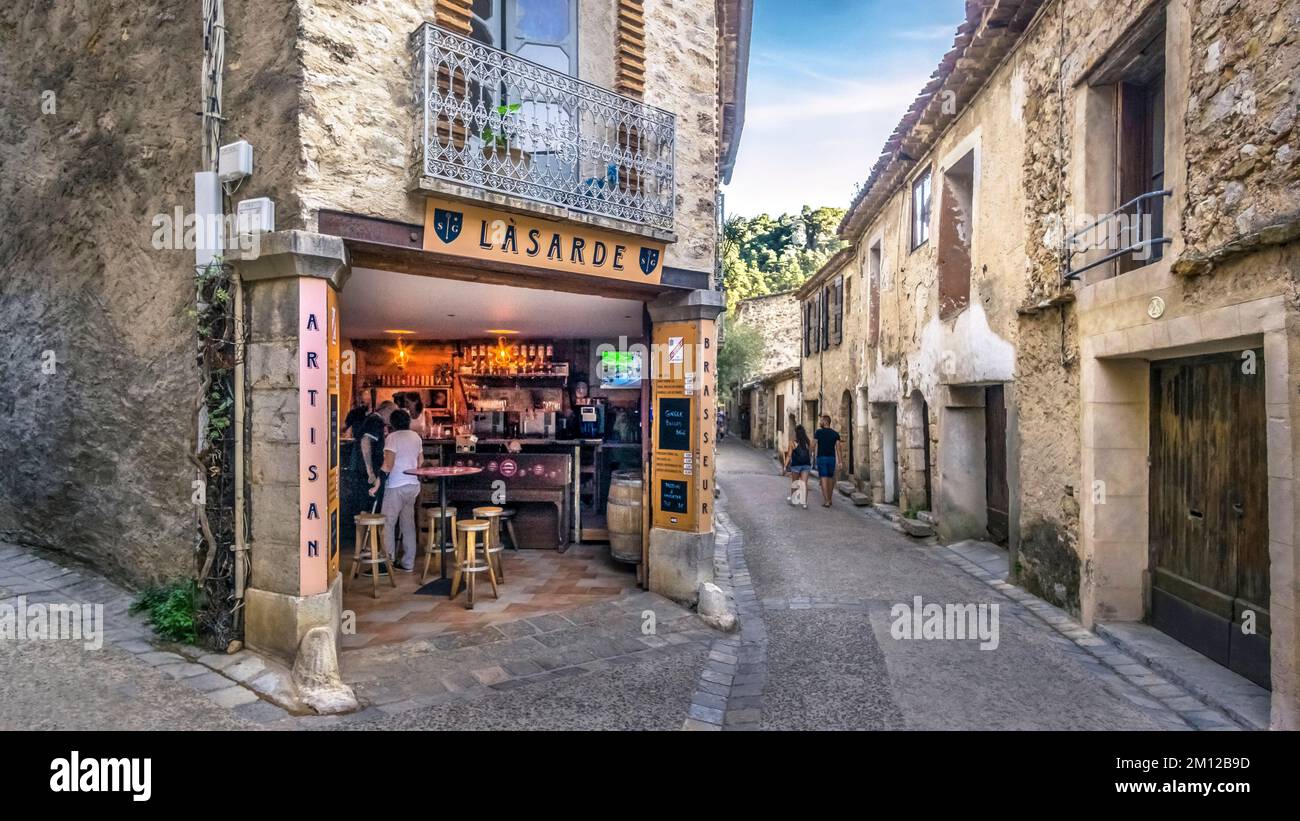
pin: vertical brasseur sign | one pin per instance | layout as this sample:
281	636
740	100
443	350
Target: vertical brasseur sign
682	365
315	439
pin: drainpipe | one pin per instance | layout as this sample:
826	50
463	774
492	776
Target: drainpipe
241	545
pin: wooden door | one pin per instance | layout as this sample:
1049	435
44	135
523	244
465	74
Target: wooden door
1209	508
995	463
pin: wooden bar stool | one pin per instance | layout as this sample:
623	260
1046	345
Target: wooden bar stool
508	519
371	525
433	538
492	515
467	559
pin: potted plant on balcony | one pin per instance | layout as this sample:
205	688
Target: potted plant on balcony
496	143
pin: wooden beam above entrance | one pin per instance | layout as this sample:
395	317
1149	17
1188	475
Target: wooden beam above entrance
390	245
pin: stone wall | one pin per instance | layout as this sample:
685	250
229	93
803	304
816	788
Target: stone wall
358	117
777	316
1243	150
94	463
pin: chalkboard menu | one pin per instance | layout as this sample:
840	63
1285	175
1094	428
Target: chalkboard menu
675	424
672	496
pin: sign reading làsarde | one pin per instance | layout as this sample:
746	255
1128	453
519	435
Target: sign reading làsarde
466	230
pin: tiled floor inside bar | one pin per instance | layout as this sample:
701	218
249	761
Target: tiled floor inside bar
537	582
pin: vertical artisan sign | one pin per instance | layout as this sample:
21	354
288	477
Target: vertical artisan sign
683	364
335	381
314	437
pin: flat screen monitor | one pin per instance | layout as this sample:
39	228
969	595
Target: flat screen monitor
620	369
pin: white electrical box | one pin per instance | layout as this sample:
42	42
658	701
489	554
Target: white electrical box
255	216
235	161
209	227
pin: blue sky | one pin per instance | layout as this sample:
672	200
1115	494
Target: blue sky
828	81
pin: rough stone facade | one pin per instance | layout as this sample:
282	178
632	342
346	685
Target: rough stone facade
1072	358
777	316
323	91
96	139
356	101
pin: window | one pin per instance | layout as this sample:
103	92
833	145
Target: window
780	413
544	31
921	210
1140	166
1127	190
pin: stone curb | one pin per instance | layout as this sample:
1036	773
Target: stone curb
729	693
1132	679
223	679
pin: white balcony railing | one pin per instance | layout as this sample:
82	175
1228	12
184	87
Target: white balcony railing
492	120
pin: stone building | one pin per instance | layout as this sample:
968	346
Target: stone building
1073	326
771	393
365	119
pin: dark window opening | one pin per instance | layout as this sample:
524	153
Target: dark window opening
956	208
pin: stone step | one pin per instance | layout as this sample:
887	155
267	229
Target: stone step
916	528
928	517
846	488
860	499
890	512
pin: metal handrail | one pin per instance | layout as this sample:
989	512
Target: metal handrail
494	120
1068	252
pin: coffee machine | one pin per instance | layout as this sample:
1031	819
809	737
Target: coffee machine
591	419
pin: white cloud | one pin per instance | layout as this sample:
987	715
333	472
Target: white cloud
811	144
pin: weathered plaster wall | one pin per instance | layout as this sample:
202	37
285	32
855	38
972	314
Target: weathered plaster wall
95	464
90	465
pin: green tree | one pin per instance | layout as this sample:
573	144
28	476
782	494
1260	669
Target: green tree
738	357
768	255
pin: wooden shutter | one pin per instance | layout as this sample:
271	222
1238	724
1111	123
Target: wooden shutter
838	324
629	75
454	15
874	262
807	328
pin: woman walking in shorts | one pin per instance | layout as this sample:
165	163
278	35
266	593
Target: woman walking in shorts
798	465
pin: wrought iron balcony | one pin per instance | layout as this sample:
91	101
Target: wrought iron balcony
1128	230
494	121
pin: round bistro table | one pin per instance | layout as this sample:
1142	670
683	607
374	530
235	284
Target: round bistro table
442	474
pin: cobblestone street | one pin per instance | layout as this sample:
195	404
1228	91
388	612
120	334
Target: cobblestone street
814	590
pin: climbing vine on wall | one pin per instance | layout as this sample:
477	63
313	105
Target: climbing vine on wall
213	452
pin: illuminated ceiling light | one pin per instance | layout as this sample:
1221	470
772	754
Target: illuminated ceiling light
500	331
398	331
401	356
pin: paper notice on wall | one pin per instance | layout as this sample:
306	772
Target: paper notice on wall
676	350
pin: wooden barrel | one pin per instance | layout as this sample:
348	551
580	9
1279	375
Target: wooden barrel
623	513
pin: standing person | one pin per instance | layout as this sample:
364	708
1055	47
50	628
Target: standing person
371	445
828	449
403	451
415	406
798	464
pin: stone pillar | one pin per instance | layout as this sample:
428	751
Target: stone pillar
684	386
291	282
